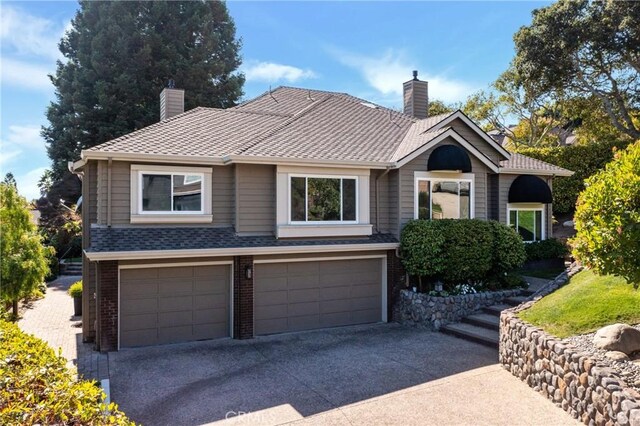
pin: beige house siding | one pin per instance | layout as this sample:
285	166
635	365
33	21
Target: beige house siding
222	197
503	193
420	164
89	216
255	198
472	137
383	204
393	187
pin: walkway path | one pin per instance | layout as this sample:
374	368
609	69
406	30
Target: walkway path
51	319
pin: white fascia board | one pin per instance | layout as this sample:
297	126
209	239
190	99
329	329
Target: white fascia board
462	141
251	159
563	173
156	158
240	251
459	114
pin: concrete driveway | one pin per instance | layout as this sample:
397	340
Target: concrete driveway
377	374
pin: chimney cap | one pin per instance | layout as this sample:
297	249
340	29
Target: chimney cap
415	75
171	84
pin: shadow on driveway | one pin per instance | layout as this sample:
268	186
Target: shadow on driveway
309	372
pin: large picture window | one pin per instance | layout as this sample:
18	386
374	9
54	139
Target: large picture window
171	192
323	199
443	198
528	222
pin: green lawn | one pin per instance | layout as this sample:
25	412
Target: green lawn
584	305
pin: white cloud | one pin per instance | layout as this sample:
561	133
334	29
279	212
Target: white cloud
28	183
387	71
21	140
271	72
25	75
30	35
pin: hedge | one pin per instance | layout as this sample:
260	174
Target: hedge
584	160
36	387
545	249
467	251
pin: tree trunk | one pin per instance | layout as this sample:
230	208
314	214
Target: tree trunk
14	305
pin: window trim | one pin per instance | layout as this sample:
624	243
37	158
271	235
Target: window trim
141	174
137	215
444	177
290	176
529	207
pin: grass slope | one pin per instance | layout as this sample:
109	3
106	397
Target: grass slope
584	305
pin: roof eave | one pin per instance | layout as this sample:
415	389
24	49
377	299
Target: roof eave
516	171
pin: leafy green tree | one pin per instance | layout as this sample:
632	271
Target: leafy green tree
586	48
9	179
119	55
511	96
45	182
24	258
607	218
437	107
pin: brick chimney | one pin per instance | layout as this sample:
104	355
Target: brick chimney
171	101
416	97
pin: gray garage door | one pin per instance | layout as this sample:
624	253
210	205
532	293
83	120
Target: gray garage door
174	304
306	295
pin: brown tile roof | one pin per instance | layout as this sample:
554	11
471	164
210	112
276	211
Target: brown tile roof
292	123
522	162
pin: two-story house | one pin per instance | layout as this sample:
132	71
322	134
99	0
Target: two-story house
282	213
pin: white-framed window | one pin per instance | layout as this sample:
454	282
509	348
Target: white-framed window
170	194
443	195
324	199
163	193
528	220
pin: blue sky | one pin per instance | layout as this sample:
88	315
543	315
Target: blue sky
364	48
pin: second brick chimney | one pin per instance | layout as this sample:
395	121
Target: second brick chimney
416	97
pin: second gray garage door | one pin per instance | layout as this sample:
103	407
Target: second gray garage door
174	304
298	296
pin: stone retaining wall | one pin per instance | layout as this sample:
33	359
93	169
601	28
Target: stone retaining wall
419	309
585	388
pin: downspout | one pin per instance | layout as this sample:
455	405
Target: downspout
387	170
109	192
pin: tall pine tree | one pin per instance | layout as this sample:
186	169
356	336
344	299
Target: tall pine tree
120	55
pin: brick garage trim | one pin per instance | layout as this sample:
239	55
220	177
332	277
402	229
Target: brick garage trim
395	282
108	306
242	298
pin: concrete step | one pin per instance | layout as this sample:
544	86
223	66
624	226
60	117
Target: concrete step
516	300
491	322
496	309
473	333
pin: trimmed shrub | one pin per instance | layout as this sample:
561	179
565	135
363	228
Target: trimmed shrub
76	289
508	250
38	388
468	250
545	249
607	218
584	160
460	251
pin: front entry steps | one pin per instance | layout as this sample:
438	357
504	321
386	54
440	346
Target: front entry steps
482	327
